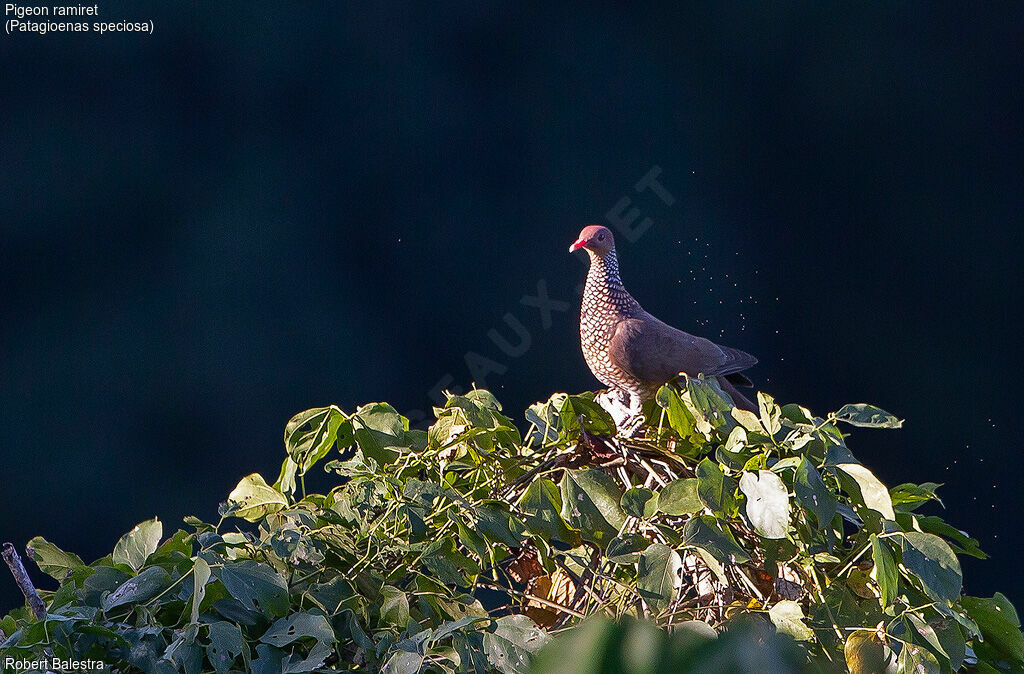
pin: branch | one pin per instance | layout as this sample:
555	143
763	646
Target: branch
10	556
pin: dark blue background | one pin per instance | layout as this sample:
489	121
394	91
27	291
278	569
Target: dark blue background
261	208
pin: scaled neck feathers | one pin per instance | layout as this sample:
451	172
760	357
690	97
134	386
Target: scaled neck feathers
604	286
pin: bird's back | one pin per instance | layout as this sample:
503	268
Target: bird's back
655	352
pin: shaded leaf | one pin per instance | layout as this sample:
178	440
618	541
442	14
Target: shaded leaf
448	564
707	533
885	570
715	489
930	559
541	505
394	606
590	503
812	494
144	586
512	642
257	586
299	626
225	645
659	576
635	502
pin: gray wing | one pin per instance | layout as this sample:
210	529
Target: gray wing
653	351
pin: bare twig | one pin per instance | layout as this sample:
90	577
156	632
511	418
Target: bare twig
10	556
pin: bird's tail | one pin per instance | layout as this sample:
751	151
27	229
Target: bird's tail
738	399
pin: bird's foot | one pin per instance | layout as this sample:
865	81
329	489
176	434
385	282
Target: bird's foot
625	410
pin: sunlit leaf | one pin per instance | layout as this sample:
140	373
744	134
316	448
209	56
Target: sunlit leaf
680	497
53	561
789	619
867	416
138	544
767	504
253	499
867	489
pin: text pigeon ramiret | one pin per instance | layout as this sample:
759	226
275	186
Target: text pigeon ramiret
634	353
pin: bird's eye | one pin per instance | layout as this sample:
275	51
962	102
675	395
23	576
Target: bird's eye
600	237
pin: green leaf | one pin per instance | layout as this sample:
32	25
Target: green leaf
595	419
679	497
710	407
707	533
310	435
253	499
999	625
930	559
789	619
867	489
626	550
394	607
200	576
812	494
867	416
715	489
767	503
864	653
964	543
381	432
286	479
769	413
512	642
885	570
51	560
680	419
144	586
911	496
103	579
449	565
330	596
541	505
403	662
636	502
917	659
138	544
299	626
225	645
590	503
269	660
658	576
495	522
258	586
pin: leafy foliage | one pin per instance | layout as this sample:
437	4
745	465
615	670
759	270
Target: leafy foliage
758	540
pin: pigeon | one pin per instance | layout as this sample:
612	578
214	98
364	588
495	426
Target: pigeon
632	352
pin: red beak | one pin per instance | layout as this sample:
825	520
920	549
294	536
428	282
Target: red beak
577	245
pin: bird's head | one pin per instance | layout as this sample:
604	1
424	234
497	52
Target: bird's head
596	239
